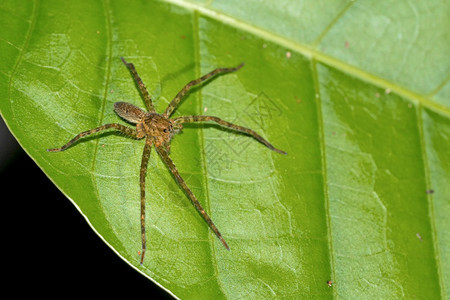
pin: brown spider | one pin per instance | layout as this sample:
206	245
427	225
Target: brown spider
158	130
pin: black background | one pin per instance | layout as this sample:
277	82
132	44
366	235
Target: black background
50	249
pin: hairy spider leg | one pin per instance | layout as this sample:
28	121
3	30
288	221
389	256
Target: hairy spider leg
141	85
192	119
168	161
143	172
174	103
124	129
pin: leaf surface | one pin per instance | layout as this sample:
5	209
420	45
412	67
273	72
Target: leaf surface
356	92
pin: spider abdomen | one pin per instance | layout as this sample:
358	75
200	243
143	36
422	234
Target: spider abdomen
129	112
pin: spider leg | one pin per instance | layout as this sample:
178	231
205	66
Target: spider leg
124	129
188	86
143	172
141	85
168	161
192	119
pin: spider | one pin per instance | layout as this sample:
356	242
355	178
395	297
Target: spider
158	130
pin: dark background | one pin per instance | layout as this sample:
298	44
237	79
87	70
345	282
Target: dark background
50	249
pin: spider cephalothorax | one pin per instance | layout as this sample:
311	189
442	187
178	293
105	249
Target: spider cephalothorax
158	130
158	127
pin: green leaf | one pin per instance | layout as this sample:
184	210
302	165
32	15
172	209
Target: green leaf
357	93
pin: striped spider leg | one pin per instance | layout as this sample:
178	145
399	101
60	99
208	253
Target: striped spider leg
158	130
174	103
248	131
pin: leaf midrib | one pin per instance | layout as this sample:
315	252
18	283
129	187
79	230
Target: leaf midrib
319	56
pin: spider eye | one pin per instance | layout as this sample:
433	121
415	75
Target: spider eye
165	130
